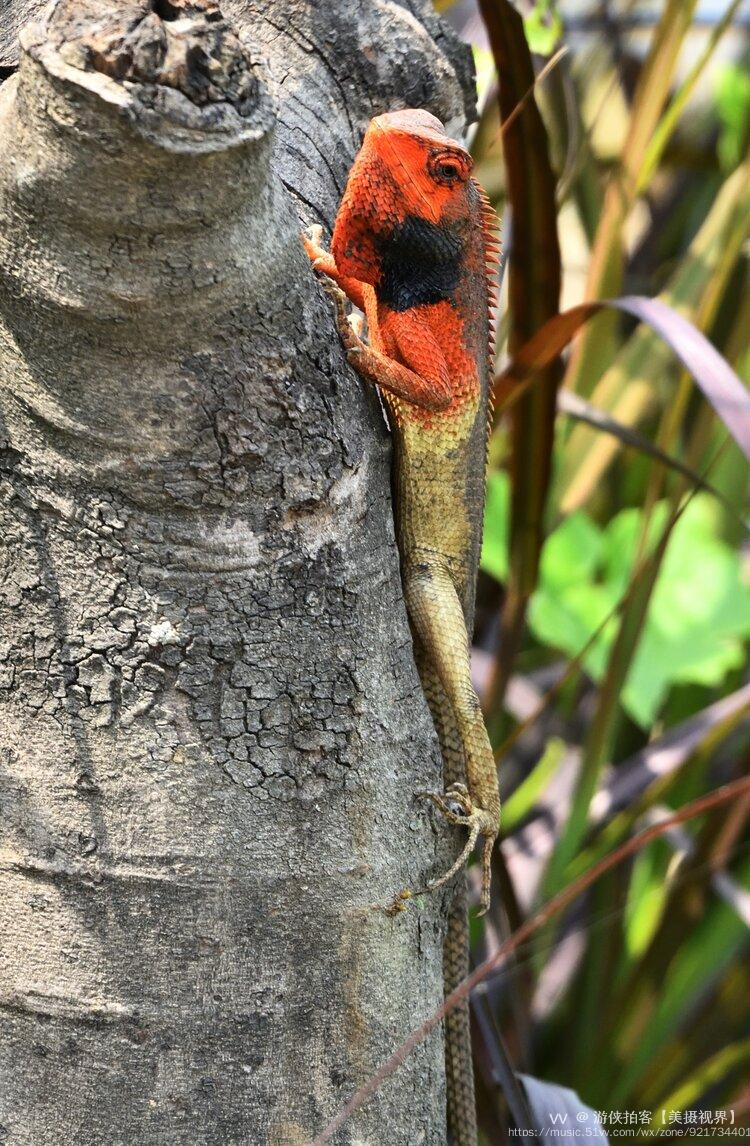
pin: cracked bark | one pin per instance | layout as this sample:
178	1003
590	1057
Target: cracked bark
211	725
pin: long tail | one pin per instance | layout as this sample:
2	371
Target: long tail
459	1072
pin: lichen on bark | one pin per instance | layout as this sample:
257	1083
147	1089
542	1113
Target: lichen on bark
211	725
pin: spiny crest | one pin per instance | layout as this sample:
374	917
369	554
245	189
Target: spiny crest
490	224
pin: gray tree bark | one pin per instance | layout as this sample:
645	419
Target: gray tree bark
211	726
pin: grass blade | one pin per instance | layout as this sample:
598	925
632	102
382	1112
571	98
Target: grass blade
582	411
635	380
661	759
693	1088
518	805
592	357
534	292
601	734
699	962
668	121
716	378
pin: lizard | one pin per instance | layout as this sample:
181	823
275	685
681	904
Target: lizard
415	248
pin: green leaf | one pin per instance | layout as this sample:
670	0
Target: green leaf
733	109
566	620
572	552
698	619
699	614
494	558
543	28
519	804
647	896
621	539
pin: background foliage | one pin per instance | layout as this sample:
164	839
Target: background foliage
614	617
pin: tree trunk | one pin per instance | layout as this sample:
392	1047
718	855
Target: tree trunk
212	727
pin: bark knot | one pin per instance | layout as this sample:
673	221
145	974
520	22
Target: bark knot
187	45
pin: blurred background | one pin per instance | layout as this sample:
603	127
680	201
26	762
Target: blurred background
611	643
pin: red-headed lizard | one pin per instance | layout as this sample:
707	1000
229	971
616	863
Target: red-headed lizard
414	247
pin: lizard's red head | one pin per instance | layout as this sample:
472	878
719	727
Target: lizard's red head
408	195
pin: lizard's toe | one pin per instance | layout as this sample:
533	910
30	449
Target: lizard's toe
489	843
312	241
458	808
332	288
353	344
454	808
357	323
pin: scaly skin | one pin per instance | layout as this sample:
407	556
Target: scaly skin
413	247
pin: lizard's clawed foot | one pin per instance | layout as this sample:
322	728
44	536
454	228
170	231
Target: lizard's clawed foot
349	326
321	259
312	239
349	331
458	808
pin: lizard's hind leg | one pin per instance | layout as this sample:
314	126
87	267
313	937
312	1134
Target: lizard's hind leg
437	616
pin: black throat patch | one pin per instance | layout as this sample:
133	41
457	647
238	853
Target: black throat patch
420	263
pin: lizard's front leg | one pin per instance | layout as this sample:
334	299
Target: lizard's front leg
428	390
324	262
436	613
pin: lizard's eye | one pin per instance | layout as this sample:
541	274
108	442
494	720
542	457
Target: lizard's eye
447	169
